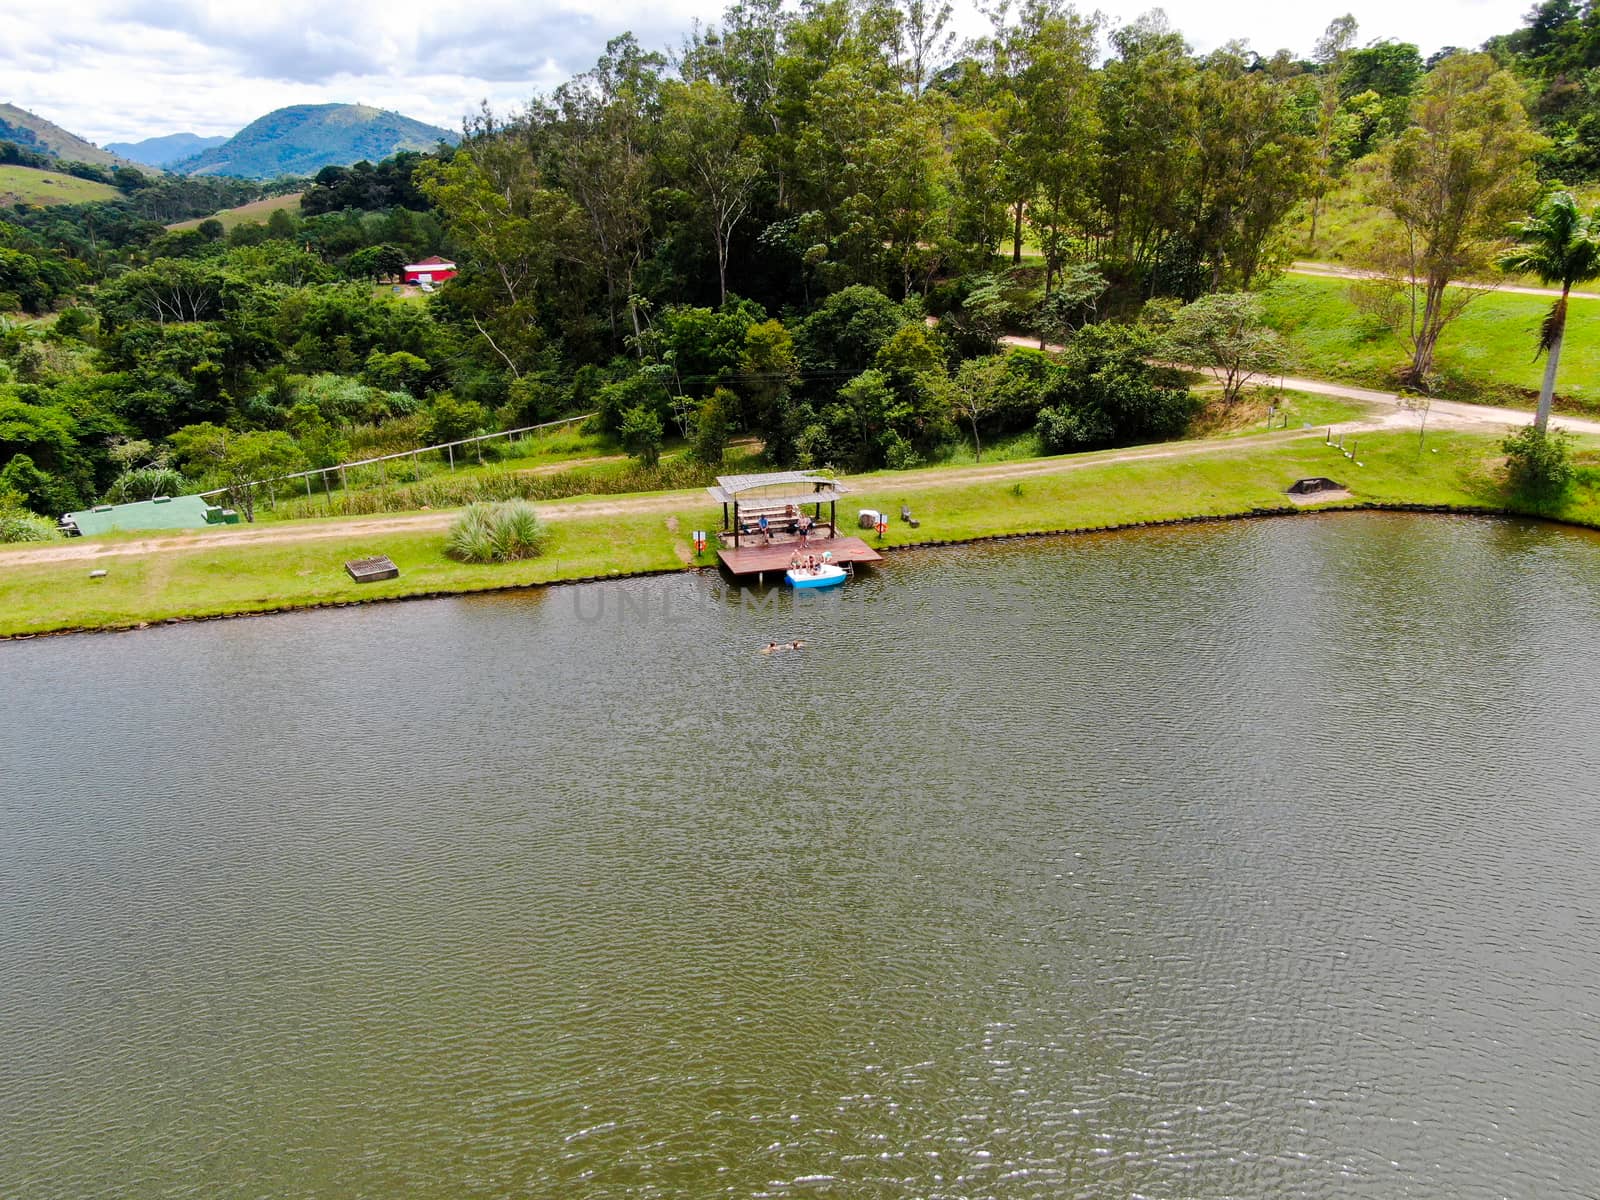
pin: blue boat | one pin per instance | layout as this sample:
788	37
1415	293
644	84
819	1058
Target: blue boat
825	576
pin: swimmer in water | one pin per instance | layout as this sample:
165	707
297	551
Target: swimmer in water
771	648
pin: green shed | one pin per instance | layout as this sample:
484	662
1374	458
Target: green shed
164	512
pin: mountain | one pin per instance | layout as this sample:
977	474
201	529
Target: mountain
45	137
304	138
162	151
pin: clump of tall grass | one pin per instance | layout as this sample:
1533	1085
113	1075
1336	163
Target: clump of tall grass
19	525
145	483
505	532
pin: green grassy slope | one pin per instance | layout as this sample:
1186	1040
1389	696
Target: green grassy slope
1486	355
28	185
257	211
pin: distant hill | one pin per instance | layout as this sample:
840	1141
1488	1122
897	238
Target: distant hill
304	138
27	185
162	151
34	132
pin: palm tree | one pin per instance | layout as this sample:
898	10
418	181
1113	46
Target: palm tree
1559	245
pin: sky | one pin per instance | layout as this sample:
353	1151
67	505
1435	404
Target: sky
122	70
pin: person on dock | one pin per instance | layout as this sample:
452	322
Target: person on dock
766	534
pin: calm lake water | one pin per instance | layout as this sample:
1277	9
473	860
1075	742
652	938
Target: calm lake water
1238	861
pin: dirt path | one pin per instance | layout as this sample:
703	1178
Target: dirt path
84	550
1453	414
1387	415
1335	271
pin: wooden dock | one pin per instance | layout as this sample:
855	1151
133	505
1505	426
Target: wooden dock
753	558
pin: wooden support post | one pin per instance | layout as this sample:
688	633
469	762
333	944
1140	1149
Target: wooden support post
451	451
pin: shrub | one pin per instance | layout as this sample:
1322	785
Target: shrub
145	483
20	525
1538	464
641	435
505	532
450	419
711	427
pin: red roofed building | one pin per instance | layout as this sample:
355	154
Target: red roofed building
432	269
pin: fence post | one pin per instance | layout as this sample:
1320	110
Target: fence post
451	451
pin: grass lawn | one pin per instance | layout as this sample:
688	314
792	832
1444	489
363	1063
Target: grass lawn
1487	354
243	578
256	212
1284	408
30	185
1083	491
1234	477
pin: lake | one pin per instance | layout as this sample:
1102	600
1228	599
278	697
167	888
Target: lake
1248	860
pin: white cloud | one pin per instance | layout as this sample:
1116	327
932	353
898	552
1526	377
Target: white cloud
121	71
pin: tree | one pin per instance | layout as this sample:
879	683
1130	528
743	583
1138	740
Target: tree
1331	54
451	420
1227	334
1146	118
599	127
1071	304
1249	171
845	333
1105	392
704	147
395	372
517	240
1560	246
1053	148
1451	182
641	435
280	225
235	461
766	379
976	382
711	426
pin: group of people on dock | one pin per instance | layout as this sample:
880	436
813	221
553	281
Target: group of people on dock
793	521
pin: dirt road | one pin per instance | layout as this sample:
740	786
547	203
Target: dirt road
1387	414
1335	271
89	550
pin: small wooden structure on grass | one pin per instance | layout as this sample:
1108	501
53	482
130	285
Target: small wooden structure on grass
782	497
371	570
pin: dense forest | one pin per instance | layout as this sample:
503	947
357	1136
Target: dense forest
813	226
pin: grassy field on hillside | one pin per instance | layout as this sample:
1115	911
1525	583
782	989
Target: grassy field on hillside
1084	492
29	185
1348	223
1486	355
257	211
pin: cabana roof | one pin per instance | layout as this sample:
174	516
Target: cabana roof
777	487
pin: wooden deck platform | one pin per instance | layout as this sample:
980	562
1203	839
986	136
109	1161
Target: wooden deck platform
774	559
